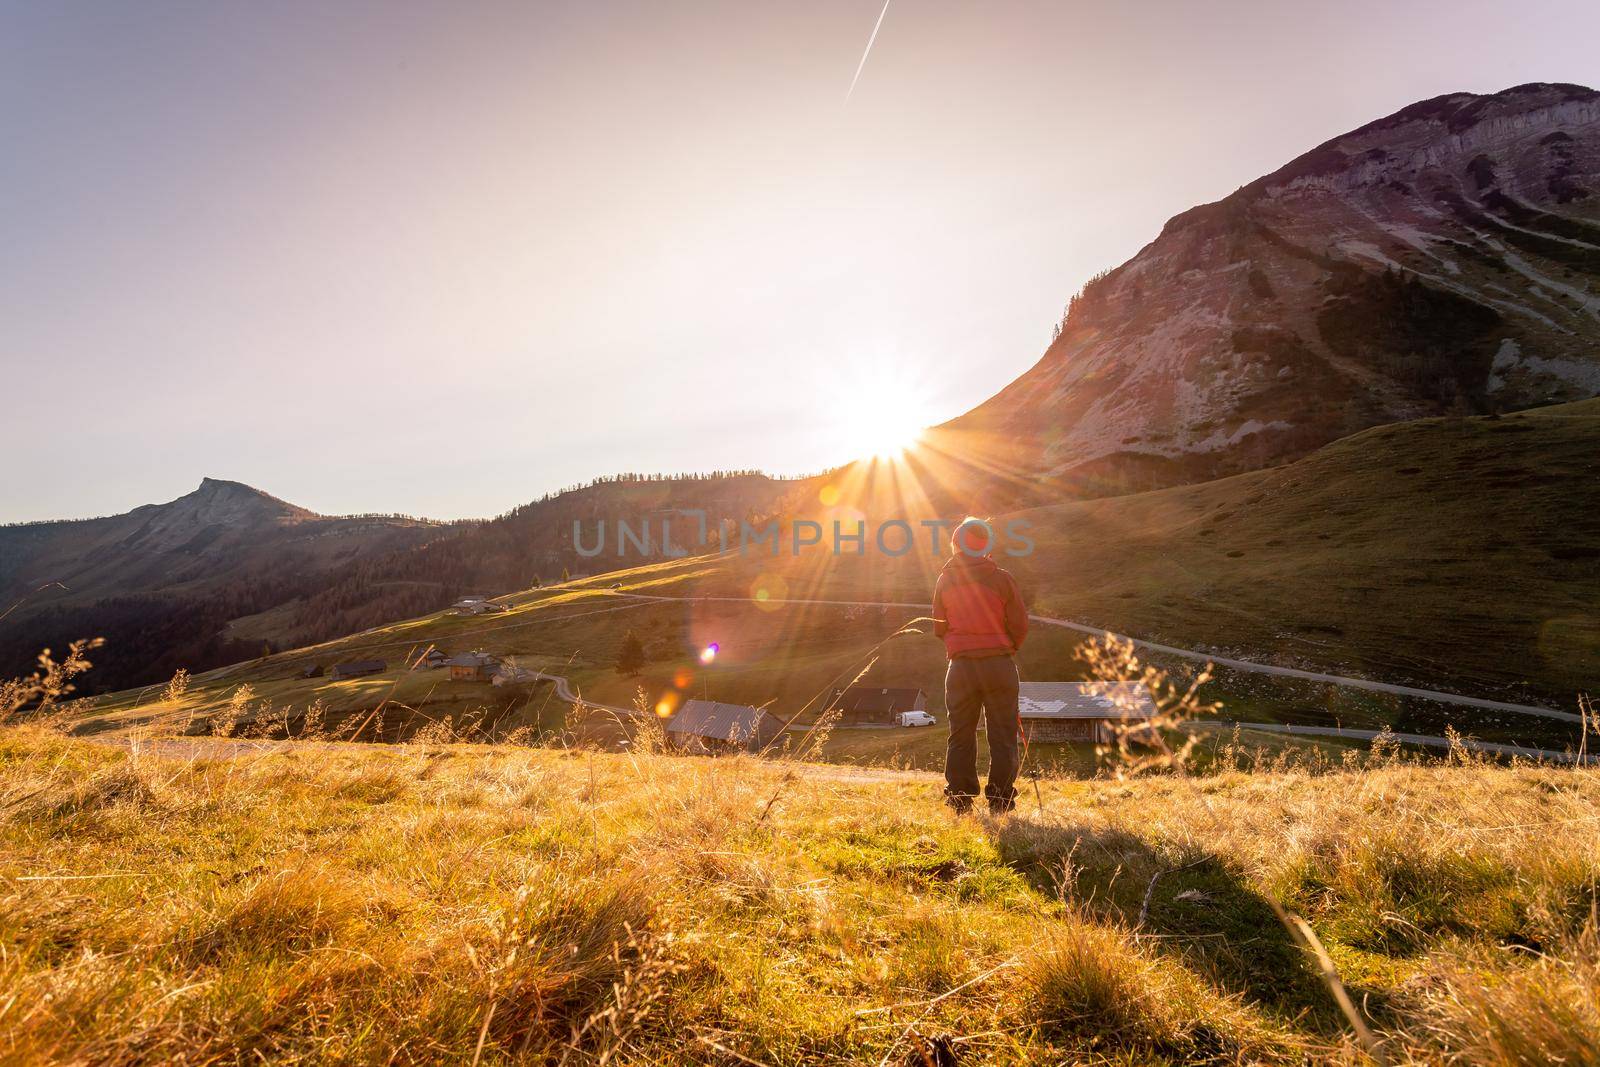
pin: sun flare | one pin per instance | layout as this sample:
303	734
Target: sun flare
881	414
889	439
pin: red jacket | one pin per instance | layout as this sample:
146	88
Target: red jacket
978	609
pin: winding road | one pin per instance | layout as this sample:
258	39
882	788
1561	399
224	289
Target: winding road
564	691
1185	653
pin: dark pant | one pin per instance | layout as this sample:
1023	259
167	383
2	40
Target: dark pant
972	687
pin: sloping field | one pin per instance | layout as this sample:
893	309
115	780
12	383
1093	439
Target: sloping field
350	903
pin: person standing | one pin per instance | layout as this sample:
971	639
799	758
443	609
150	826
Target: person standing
979	614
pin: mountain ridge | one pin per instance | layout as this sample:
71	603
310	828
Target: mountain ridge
227	570
1442	257
161	581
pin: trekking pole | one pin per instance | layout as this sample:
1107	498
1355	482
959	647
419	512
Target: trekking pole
1032	772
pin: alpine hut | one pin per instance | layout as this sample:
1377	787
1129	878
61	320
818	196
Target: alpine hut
712	727
873	705
1077	711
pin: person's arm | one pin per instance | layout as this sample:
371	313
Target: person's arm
941	621
1016	615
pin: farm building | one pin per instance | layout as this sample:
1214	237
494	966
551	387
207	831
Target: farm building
472	667
708	726
430	660
1070	711
873	705
358	667
476	605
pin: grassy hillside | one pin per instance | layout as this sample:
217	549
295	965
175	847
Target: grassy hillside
375	904
1450	553
1457	554
163	581
527	545
216	575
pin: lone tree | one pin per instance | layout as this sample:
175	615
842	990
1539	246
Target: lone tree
566	575
630	658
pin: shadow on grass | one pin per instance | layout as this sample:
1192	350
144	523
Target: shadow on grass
1200	909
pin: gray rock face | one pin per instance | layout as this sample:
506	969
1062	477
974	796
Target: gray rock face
1446	258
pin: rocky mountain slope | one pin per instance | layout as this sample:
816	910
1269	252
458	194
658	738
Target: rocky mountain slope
1443	259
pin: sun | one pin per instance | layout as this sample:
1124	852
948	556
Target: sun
880	413
889	438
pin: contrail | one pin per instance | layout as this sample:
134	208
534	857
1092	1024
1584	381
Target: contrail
868	51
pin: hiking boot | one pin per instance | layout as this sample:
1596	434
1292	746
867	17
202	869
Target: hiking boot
961	805
1002	805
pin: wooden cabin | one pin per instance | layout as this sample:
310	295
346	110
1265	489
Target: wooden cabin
358	667
711	727
1072	711
473	667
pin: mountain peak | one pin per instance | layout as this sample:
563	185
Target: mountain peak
225	485
222	500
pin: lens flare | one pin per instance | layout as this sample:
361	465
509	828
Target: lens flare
768	591
709	653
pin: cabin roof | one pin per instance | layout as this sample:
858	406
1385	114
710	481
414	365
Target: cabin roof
875	698
1075	700
709	718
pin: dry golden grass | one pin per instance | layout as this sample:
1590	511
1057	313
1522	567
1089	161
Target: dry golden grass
210	901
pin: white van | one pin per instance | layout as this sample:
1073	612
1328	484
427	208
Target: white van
915	718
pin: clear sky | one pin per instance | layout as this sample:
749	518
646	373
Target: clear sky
441	258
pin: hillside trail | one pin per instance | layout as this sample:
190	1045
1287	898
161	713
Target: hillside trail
1183	653
1195	655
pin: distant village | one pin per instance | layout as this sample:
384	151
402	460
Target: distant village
1050	712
